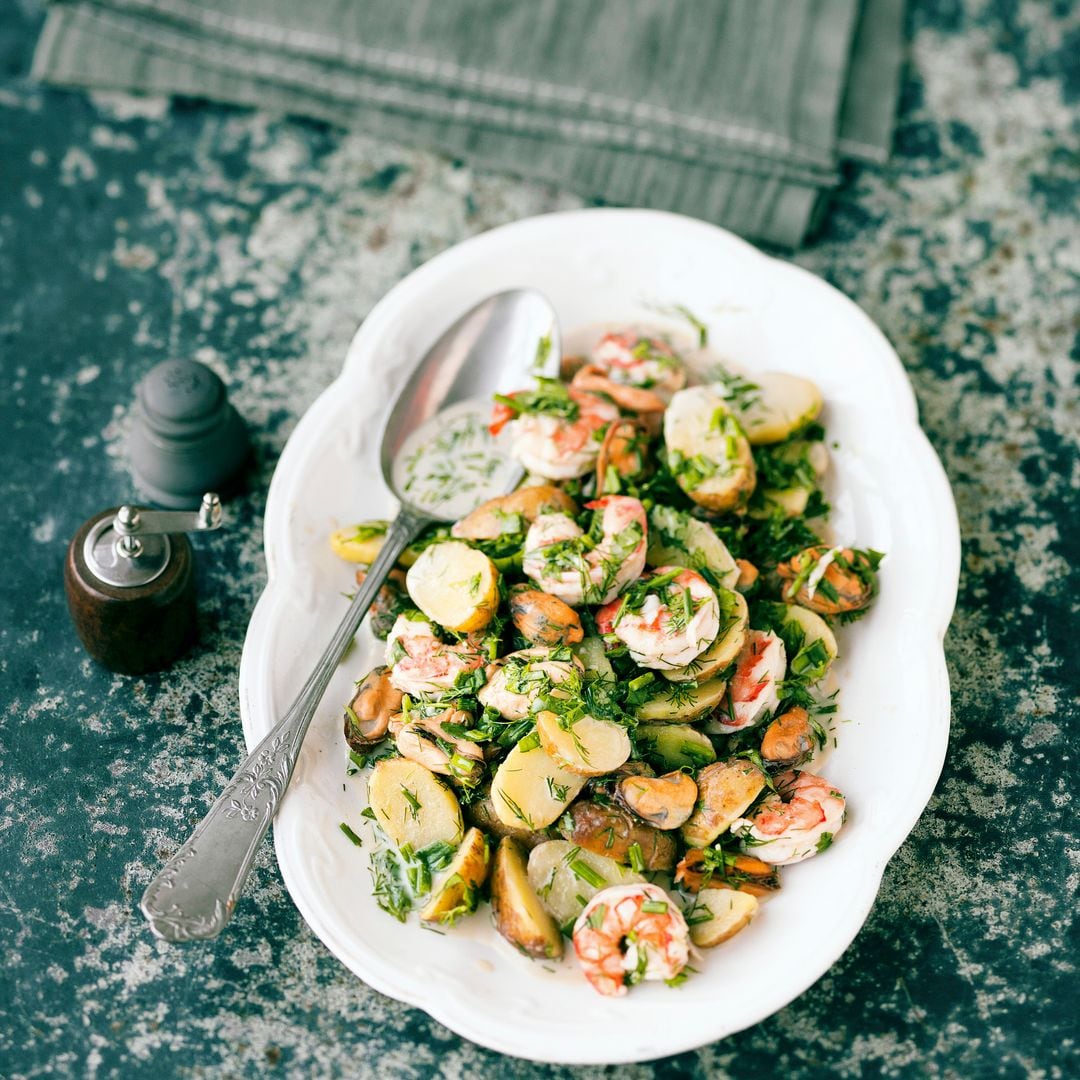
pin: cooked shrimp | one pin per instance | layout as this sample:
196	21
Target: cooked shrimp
557	445
798	821
421	664
632	398
425	741
520	678
667	620
754	690
566	562
634	360
629	934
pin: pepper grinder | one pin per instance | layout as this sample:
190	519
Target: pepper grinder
130	583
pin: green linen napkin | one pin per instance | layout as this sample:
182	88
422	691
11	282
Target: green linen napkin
736	111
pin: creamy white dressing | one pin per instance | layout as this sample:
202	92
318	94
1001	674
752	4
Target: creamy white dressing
451	464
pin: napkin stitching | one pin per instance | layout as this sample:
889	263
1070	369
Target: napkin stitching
421	103
766	142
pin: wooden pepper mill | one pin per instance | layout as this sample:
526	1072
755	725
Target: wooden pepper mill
130	583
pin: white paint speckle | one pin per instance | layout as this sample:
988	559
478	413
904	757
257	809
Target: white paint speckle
45	530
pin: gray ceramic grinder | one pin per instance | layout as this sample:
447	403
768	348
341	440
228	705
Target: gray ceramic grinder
187	438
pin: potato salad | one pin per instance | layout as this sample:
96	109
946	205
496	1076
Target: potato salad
605	694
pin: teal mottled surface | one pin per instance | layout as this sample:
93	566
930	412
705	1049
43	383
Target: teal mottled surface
132	231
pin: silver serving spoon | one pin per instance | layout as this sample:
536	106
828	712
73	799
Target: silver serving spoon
492	348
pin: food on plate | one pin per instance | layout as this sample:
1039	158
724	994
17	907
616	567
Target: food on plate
629	934
412	806
566	877
505	514
797	820
707	451
833	581
543	619
367	716
719	914
455	586
457	891
519	914
605	696
725	790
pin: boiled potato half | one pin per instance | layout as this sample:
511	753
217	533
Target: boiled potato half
677	539
725	790
677	704
519	914
457	889
719	914
811	659
783	405
566	877
530	788
588	747
359	543
412	806
675	746
455	586
707	450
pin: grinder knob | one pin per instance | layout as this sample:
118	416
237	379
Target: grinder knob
130	584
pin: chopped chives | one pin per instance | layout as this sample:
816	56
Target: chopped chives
587	874
351	835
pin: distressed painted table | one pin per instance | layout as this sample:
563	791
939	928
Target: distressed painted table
132	231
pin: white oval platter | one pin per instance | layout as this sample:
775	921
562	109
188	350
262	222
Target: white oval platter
888	492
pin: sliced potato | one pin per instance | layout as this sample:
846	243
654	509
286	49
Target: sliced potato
359	543
615	833
592	654
725	790
818	649
707	450
677	539
412	806
734	620
783	405
675	746
457	890
791	500
530	789
519	915
566	877
455	586
719	914
589	747
677	704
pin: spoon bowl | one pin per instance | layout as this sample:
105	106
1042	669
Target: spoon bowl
493	348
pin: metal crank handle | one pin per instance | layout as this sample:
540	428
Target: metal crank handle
193	895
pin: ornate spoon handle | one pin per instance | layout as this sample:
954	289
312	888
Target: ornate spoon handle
194	894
